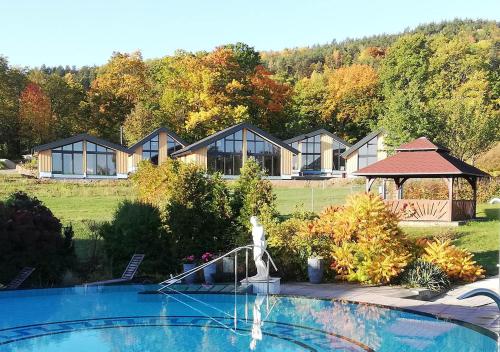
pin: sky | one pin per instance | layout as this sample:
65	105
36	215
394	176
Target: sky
87	32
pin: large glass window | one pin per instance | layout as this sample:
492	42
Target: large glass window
68	159
267	154
225	155
311	153
338	161
150	150
367	154
172	145
100	160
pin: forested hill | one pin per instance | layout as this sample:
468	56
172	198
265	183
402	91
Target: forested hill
294	64
438	80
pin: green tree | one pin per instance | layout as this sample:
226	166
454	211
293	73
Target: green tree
252	196
195	206
404	75
12	82
137	228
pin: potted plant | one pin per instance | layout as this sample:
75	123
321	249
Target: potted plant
189	263
315	269
210	270
313	244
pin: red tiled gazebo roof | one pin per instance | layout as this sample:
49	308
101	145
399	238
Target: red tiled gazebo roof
420	158
421	143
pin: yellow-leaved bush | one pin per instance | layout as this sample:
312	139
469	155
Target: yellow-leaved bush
369	246
457	263
361	239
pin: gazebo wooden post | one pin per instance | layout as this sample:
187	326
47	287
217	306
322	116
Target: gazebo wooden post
450	198
369	183
399	186
473	183
474	196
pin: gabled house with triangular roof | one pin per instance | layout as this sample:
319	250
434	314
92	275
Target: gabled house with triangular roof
319	154
227	151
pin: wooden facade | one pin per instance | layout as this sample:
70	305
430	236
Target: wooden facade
326	152
198	157
45	161
121	162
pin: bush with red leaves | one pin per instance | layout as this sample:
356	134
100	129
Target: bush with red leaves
30	235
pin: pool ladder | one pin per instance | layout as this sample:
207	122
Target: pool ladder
175	279
167	285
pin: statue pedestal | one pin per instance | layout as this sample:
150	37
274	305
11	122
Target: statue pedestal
260	285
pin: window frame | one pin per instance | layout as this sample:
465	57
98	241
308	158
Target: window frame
364	153
314	155
223	157
95	153
152	153
268	152
64	151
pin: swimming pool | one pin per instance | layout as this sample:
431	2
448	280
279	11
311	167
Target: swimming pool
117	318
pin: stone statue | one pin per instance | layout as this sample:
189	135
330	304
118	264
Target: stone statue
259	241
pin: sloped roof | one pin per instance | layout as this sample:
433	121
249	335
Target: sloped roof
314	133
154	133
78	138
417	159
361	142
228	131
421	143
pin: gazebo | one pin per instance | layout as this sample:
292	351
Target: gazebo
423	159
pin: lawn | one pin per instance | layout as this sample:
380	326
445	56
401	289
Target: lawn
77	202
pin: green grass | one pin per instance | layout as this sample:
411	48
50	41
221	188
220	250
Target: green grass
312	199
77	202
480	237
72	202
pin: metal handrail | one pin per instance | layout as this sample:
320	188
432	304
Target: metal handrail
177	278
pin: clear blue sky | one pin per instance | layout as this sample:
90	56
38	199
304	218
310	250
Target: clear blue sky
86	32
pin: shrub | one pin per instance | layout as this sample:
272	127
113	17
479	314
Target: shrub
457	263
30	235
424	274
252	195
369	247
195	206
137	228
288	251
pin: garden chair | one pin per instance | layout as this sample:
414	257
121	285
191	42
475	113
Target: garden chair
19	279
128	274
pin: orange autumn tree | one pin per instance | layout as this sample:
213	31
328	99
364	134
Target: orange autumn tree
269	96
35	116
207	92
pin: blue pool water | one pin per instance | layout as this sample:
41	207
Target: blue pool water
119	319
